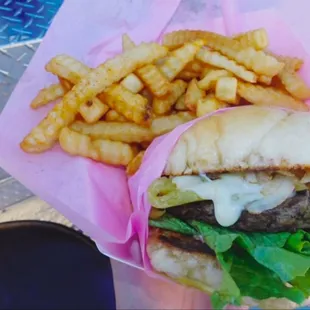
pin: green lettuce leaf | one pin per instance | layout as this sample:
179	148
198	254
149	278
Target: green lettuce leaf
174	224
257	281
163	193
303	283
299	242
254	264
267	249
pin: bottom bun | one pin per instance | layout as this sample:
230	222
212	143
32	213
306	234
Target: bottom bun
190	262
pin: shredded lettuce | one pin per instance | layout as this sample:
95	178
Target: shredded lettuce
163	193
257	265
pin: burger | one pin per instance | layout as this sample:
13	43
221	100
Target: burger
231	212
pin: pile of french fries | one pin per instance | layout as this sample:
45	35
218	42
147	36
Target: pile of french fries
113	112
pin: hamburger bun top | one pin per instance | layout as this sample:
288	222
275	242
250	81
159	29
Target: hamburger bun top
242	139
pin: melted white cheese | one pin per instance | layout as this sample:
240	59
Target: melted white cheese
233	193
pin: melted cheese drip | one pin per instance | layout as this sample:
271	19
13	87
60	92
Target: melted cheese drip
233	193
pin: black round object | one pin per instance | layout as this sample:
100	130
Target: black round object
49	266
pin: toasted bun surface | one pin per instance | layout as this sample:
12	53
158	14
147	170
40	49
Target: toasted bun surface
244	138
196	269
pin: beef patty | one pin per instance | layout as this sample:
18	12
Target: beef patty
186	243
292	214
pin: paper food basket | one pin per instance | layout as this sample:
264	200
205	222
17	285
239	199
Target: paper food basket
96	197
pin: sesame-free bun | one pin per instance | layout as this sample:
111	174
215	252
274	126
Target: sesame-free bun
241	139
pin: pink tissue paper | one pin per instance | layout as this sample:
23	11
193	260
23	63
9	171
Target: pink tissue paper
85	191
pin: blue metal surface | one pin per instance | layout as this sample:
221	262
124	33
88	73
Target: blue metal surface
25	20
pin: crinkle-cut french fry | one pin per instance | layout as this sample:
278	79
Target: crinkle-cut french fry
113	116
257	38
164	124
206	69
293	83
193	94
176	39
267	80
106	151
47	95
163	105
292	63
269	96
211	77
154	80
133	106
194	66
132	83
209	104
127	43
135	164
226	89
187	75
67	68
93	111
258	61
220	61
147	94
66	85
180	104
43	136
115	131
63	66
179	58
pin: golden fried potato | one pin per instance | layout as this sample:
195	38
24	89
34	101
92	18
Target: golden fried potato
67	68
69	71
93	111
176	39
133	106
109	152
257	38
180	104
209	104
267	80
194	66
193	94
220	61
132	83
293	63
66	85
147	94
226	89
269	96
164	124
257	61
47	95
113	116
188	75
178	59
163	105
154	80
127	43
210	78
294	84
115	131
135	164
43	136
